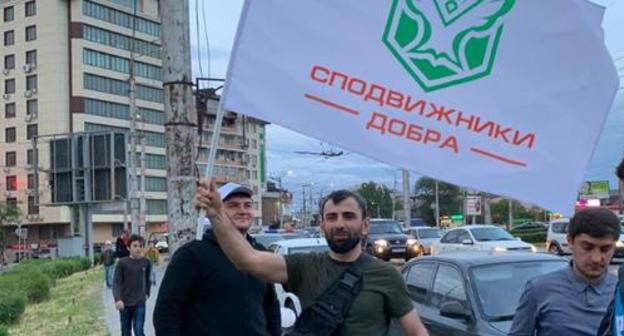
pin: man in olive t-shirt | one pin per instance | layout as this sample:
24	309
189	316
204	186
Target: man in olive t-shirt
383	294
343	222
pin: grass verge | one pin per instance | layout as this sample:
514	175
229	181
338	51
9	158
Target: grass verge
75	308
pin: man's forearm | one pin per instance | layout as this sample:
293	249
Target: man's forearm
232	242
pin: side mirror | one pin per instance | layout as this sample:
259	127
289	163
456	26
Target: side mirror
453	309
288	317
467	242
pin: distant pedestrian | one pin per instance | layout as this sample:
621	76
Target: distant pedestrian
613	321
122	245
153	256
572	301
108	260
131	288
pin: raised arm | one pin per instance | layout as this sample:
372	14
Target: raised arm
263	265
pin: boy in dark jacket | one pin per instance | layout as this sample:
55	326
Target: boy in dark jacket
202	293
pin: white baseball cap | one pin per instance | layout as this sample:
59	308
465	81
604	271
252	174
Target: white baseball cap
231	188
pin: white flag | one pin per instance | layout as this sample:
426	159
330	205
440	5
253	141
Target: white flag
504	96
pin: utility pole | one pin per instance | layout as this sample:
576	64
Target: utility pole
180	126
305	213
509	226
143	205
407	204
133	192
437	204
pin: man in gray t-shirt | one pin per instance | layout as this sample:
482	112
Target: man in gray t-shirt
572	301
131	288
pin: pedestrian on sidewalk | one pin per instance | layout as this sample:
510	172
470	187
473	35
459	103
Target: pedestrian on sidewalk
122	245
108	260
131	288
203	294
153	256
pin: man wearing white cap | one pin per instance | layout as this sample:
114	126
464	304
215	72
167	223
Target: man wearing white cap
202	293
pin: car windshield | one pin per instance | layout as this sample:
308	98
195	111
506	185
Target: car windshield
491	234
308	249
499	286
429	233
385	227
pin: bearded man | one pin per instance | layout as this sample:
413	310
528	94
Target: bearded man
344	222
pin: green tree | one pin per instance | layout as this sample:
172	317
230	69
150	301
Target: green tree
6	213
449	198
500	212
379	199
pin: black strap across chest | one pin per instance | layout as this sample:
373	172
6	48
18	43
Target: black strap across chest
325	317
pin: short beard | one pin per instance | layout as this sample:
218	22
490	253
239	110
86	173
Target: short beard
345	246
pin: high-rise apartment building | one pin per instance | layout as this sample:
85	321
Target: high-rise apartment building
65	68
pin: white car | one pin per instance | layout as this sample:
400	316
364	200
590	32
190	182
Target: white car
290	305
556	238
425	237
487	238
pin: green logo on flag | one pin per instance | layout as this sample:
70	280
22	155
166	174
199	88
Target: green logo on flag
447	43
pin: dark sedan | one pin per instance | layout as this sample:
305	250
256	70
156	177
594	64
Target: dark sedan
472	293
386	240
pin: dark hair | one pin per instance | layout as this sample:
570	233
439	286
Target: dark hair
136	237
620	171
595	222
341	195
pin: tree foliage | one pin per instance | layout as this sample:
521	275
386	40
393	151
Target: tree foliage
379	199
500	212
7	213
449	198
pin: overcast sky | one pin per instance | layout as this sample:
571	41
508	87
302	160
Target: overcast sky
221	18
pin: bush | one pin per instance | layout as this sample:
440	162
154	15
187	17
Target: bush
12	305
533	237
32	282
3	330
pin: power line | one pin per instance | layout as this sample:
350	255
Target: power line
207	40
201	68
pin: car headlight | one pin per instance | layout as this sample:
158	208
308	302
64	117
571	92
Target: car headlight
533	249
411	241
381	242
499	249
619	243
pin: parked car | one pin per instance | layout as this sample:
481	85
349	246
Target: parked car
425	238
480	238
267	238
162	246
533	227
556	238
386	240
290	305
472	293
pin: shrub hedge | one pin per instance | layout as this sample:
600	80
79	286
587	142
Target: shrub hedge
3	330
533	237
31	282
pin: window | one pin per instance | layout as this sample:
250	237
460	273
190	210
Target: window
117	229
9	62
9	86
155	183
30	8
107	109
33	207
10	159
463	235
450	237
9	134
32	107
30	159
153	161
31	33
31	131
120	41
120	18
448	286
559	227
31	181
418	281
31	82
31	57
11	202
9	14
9	38
156	207
11	183
9	110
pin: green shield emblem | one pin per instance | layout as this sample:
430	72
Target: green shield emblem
443	43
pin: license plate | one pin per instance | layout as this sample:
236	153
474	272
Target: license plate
396	250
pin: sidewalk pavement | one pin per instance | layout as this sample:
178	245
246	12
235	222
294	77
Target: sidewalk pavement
112	314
